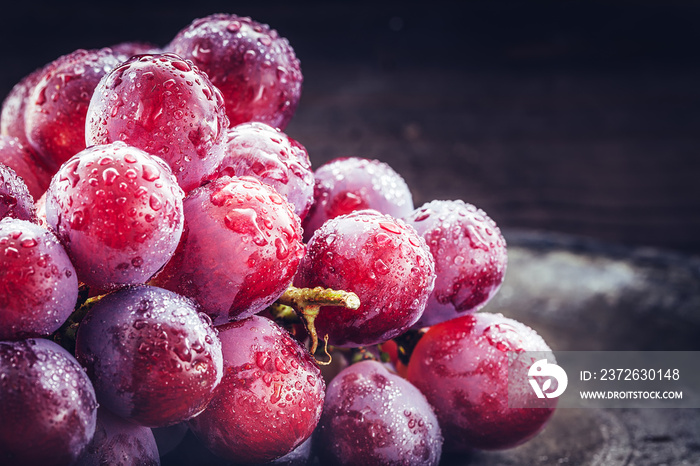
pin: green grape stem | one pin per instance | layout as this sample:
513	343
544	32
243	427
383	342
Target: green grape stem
307	303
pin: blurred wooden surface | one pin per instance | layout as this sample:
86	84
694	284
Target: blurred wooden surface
576	117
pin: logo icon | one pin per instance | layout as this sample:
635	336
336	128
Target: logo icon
544	368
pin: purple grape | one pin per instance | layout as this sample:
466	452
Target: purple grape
348	184
47	405
462	367
371	416
470	258
256	69
379	258
266	153
38	284
240	249
153	358
15	200
119	442
165	106
118	212
270	398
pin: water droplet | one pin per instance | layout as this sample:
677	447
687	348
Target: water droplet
139	324
181	65
382	239
280	366
150	173
390	227
77	220
244	221
380	267
29	243
109	175
155	202
277	394
281	249
261	359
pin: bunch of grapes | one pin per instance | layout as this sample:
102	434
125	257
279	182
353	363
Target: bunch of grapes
168	255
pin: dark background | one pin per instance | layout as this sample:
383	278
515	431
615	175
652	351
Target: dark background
574	117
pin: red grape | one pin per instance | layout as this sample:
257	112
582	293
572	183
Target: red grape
256	69
348	184
371	416
54	116
154	359
461	366
21	159
240	249
270	398
119	442
15	200
38	284
379	258
266	153
164	105
470	257
47	405
118	212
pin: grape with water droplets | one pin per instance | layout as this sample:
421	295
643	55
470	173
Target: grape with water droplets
154	359
118	212
47	404
470	257
38	284
258	150
256	69
379	258
462	365
270	398
54	115
371	416
240	249
166	106
348	184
